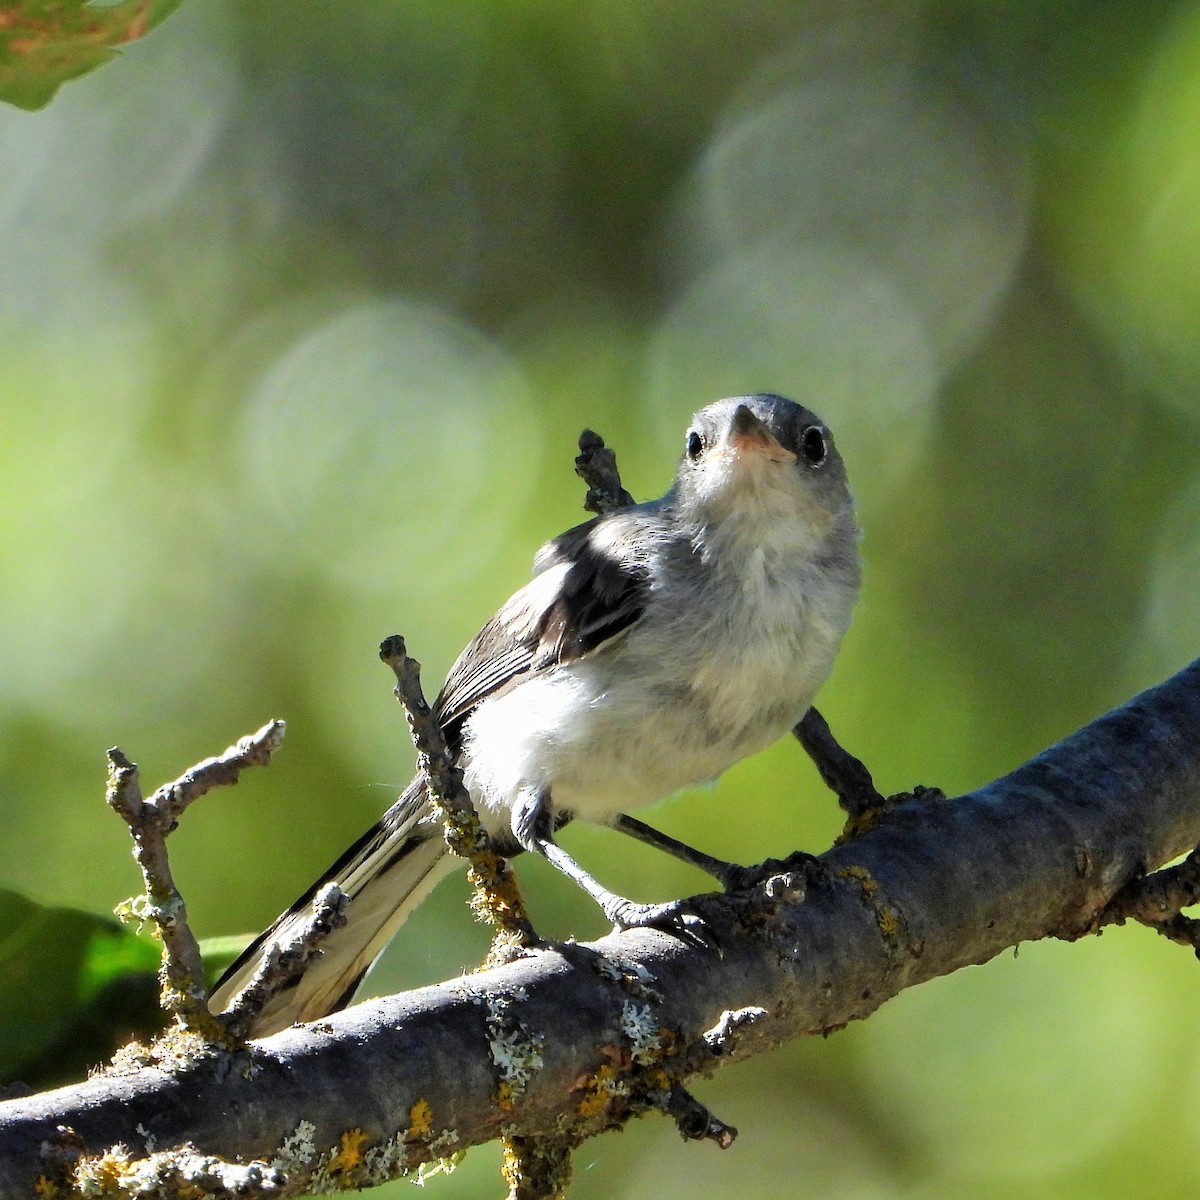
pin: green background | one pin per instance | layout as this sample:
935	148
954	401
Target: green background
302	306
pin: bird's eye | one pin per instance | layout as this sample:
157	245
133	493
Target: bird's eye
695	445
812	442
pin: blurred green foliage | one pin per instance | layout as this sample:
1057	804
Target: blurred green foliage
302	307
73	986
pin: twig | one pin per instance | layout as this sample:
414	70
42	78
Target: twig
285	961
597	467
536	1168
498	898
846	776
183	992
1184	931
1157	900
694	1121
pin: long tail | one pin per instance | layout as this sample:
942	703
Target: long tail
386	874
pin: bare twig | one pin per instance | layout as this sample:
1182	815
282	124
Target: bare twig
533	1167
537	1168
846	776
693	1120
1157	900
254	750
1184	931
597	467
285	961
183	991
497	896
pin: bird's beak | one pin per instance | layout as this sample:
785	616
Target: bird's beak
747	436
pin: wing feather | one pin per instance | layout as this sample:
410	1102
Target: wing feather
590	588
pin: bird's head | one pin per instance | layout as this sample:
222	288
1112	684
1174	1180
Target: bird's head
761	457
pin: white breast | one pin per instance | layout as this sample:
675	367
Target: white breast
674	704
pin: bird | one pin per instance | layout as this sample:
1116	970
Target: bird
654	647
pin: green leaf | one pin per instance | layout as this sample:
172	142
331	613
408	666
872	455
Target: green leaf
45	43
73	987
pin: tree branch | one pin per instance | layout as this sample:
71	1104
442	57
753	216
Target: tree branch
566	1042
184	995
496	896
843	774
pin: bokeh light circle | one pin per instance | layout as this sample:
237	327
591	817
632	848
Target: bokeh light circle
817	323
869	155
374	440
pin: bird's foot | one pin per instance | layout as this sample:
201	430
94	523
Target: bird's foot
674	916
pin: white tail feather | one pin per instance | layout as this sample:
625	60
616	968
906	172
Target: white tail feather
386	874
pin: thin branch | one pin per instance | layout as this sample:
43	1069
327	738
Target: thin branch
183	992
694	1122
498	897
597	467
254	750
846	776
533	1167
1184	931
285	961
595	1033
536	1168
434	759
1157	900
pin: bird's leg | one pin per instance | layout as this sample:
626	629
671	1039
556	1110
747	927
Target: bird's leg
730	876
846	776
723	872
532	827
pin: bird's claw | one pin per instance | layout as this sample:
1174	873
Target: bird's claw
673	917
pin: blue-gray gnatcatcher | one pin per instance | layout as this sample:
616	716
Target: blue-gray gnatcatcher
654	647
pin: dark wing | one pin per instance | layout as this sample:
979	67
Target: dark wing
604	587
591	586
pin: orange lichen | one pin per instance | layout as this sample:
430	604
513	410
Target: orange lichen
420	1120
890	922
349	1152
598	1090
505	1096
